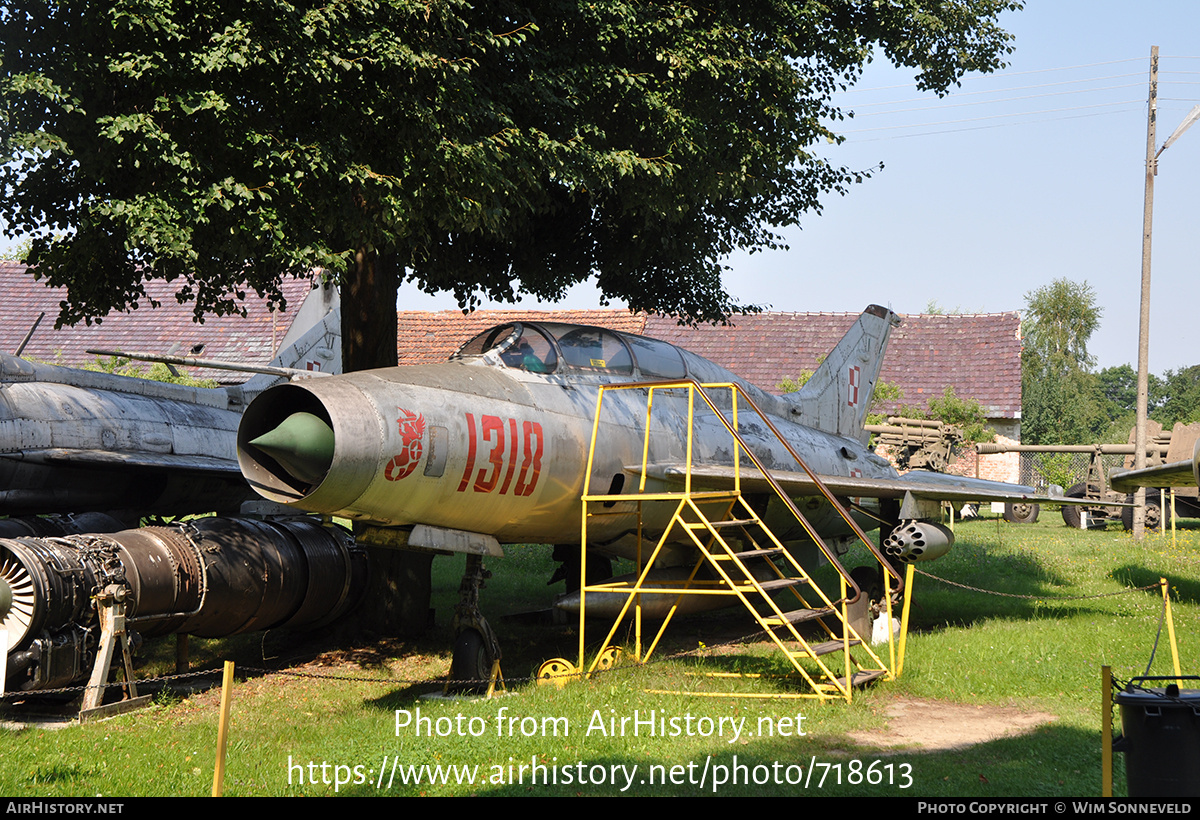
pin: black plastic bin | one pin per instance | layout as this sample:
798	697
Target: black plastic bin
1160	737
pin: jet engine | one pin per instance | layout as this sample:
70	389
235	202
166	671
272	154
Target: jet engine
918	541
210	577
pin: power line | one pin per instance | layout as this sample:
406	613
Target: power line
991	117
1012	73
992	102
1014	88
994	125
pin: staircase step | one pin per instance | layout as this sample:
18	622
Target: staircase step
828	647
863	677
797	616
749	555
778	583
718	525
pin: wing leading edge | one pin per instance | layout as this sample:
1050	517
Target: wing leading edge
1176	474
921	484
99	459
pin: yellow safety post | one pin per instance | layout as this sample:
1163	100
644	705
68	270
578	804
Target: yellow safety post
1171	630
1172	518
908	579
887	597
223	730
1106	741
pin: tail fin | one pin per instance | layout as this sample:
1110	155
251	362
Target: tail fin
837	396
314	341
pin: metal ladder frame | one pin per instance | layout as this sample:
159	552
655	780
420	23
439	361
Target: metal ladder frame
716	552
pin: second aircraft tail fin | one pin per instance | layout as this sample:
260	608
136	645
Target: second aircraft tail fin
836	397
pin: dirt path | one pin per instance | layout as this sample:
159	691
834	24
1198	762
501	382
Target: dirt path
939	726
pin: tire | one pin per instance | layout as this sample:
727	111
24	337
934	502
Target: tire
1021	513
472	664
1153	511
869	580
1070	513
599	569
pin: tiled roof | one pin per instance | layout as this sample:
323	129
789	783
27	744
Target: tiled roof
250	339
979	355
427	338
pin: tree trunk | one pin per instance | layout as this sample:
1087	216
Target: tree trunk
396	601
369	312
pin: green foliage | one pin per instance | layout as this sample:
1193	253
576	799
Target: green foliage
790	385
886	394
1056	468
1058	390
1118	391
1059	320
492	149
965	413
17	250
1181	397
932	308
157	371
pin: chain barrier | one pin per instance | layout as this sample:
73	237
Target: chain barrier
1125	591
439	681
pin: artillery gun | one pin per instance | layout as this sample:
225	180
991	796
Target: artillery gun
1163	447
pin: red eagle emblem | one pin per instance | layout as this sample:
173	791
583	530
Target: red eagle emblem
412	430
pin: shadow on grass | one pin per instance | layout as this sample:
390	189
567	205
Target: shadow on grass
1184	590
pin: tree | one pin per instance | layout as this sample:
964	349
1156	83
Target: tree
1059	320
1058	389
966	413
1181	397
486	149
483	148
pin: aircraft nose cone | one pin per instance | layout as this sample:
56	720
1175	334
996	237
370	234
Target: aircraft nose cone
302	444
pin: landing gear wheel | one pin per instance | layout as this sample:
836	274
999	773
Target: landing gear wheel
1153	511
1071	513
1021	513
471	667
599	567
861	614
869	580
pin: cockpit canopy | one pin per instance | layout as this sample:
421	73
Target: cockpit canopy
559	348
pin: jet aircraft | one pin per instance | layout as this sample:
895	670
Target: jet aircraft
75	440
75	444
492	446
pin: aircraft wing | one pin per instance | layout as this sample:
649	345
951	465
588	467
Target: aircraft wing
69	457
1176	474
922	484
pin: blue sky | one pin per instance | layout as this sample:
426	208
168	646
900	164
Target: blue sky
1014	179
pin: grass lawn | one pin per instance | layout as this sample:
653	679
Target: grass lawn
1000	656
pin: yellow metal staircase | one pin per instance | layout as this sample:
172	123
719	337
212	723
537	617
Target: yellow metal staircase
737	556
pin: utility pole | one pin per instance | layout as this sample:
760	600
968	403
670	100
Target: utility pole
1143	383
1143	386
